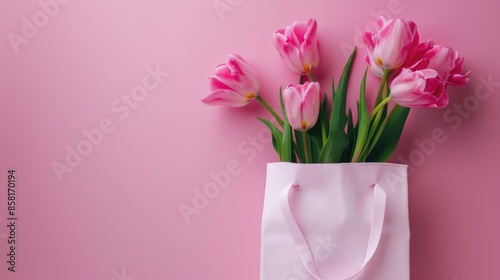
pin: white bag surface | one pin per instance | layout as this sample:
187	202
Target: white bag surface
335	222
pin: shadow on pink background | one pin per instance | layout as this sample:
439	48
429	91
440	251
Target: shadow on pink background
113	213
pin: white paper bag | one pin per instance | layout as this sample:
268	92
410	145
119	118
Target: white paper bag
335	222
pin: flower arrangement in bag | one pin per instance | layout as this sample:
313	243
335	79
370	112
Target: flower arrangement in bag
412	74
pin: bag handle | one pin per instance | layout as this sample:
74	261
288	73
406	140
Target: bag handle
305	252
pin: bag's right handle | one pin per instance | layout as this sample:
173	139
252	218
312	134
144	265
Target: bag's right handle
305	252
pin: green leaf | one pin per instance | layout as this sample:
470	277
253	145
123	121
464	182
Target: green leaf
337	140
323	115
351	135
363	121
356	127
333	86
389	138
375	125
314	132
299	149
322	124
314	148
286	147
294	147
276	134
379	124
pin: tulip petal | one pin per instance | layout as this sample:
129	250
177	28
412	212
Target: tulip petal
223	72
375	68
441	59
416	59
309	48
243	75
289	53
292	100
309	57
311	104
312	29
217	83
456	77
443	100
459	79
427	101
226	97
368	40
298	32
414	34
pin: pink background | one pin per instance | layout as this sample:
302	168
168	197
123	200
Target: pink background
116	215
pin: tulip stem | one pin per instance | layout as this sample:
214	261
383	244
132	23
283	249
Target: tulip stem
310	76
380	102
323	132
371	132
380	131
306	146
380	106
375	116
270	109
383	83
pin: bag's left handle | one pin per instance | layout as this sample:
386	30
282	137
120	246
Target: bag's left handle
305	252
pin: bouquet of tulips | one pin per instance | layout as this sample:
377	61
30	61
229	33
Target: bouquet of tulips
412	74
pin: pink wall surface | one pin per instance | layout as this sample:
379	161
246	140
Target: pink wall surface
67	72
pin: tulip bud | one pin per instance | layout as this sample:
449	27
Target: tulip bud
298	46
421	88
302	104
234	84
388	48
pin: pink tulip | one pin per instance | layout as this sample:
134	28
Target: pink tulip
234	83
298	46
443	59
421	88
302	103
389	47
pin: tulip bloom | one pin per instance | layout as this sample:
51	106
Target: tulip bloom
234	83
421	88
298	46
388	48
443	59
302	104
